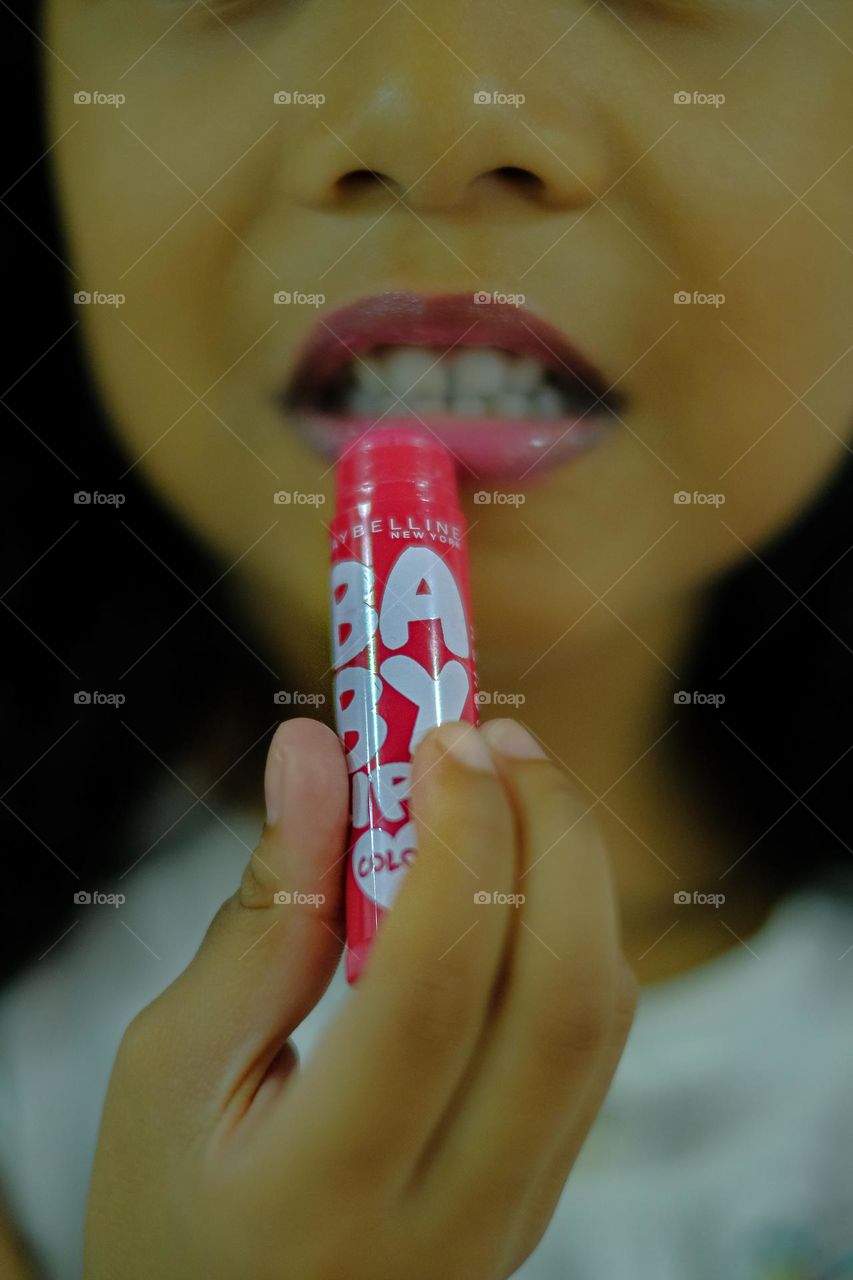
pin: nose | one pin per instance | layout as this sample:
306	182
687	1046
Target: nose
445	125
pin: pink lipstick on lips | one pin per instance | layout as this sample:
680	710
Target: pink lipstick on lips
504	391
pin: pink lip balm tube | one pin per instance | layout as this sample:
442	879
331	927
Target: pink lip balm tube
402	648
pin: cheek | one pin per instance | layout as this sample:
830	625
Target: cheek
759	415
135	227
751	397
144	234
752	205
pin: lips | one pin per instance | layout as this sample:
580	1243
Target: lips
505	391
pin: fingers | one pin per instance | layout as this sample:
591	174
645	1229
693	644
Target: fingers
545	1047
412	1023
540	1198
272	948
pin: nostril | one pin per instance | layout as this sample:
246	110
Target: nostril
361	178
518	177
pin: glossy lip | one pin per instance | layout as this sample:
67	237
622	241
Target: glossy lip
485	448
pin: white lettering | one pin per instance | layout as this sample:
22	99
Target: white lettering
444	696
404	601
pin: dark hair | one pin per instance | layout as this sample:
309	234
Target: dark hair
88	590
775	762
92	590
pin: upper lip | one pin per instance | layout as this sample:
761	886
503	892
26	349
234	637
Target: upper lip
448	320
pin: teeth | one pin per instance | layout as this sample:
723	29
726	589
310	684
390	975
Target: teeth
524	374
416	368
469	383
512	404
477	372
468	406
422	407
362	402
549	403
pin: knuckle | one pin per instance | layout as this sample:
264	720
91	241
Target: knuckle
437	1003
474	809
550	786
223	922
141	1043
259	882
579	1031
489	830
232	931
547	790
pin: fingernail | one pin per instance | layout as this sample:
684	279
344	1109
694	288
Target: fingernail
463	742
274	782
512	739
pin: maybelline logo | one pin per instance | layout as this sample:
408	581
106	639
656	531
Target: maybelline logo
409	529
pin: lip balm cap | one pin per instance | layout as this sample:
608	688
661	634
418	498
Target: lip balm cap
411	460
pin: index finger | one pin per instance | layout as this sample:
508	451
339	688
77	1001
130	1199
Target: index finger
384	1071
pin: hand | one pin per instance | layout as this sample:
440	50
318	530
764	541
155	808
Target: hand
436	1123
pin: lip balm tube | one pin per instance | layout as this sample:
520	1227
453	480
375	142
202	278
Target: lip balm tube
402	648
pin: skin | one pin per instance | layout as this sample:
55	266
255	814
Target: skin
617	198
249	1167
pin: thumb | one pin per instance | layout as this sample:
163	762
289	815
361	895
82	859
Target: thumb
272	947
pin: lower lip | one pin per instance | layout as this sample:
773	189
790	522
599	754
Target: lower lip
484	448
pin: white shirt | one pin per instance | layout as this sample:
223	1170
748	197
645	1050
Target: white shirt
724	1150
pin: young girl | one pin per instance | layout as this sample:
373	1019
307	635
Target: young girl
194	192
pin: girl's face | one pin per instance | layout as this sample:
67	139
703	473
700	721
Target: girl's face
622	182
